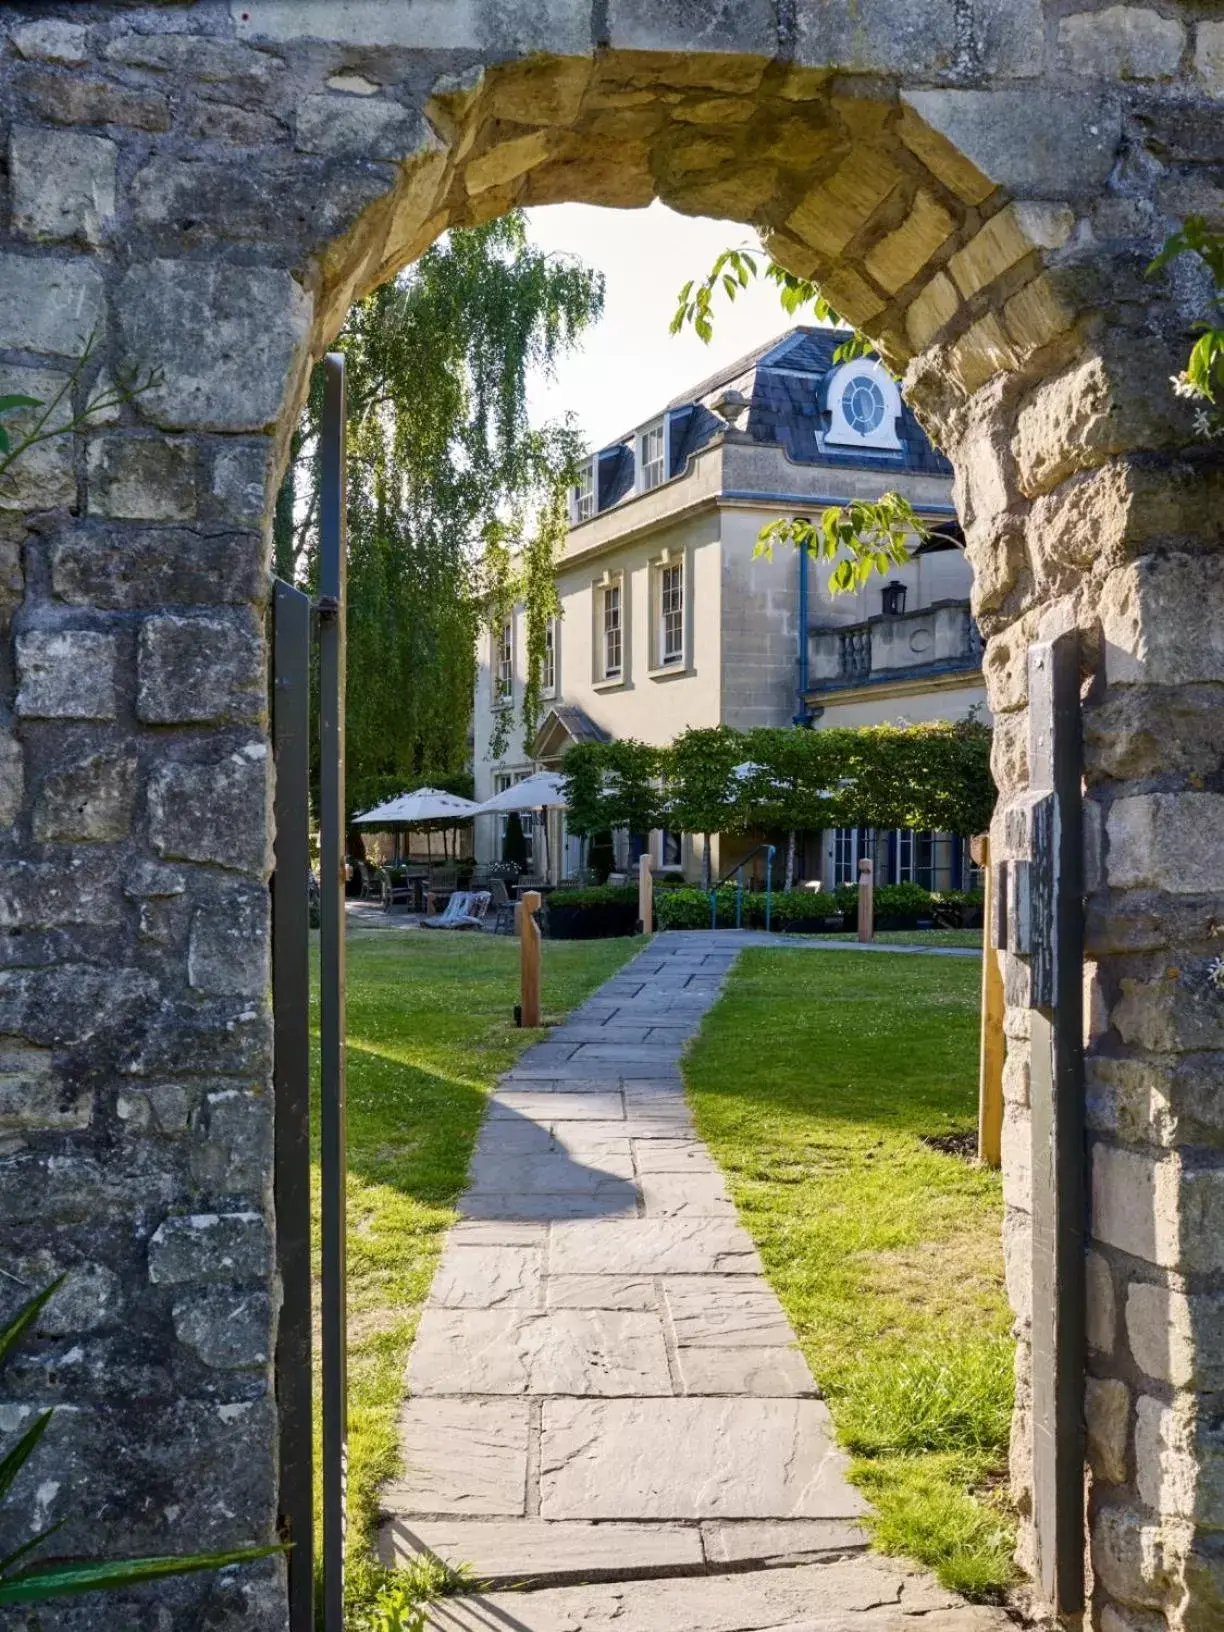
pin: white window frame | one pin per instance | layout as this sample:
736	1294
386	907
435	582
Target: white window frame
652	471
584	499
502	664
670	620
549	666
604	588
502	780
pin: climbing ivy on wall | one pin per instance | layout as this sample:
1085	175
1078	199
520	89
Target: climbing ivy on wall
456	502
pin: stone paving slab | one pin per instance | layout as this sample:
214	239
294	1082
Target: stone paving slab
504	1552
518	1351
605	1386
692	1459
851	1595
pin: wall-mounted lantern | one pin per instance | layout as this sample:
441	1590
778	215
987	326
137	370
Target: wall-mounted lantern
893	599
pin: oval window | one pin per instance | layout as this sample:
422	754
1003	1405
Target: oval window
863	404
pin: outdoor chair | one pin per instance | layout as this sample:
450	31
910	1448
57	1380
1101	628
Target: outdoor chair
371	882
466	909
503	907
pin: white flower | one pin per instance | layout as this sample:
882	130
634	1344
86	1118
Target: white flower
1215	973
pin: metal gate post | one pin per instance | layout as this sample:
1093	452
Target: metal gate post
291	1084
1039	914
331	606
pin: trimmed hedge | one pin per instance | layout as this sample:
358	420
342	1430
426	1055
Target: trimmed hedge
897	906
592	914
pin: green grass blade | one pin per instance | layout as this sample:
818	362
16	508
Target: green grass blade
14	1460
60	1580
25	1317
27	1547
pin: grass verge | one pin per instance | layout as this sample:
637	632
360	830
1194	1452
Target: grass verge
915	937
816	1082
430	1028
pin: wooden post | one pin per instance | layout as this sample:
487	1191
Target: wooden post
993	1043
645	896
529	957
866	901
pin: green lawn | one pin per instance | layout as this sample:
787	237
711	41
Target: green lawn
816	1081
915	937
430	1027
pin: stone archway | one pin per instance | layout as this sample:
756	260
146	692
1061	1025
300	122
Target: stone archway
207	189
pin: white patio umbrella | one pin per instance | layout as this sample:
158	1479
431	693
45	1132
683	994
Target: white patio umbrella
544	791
418	809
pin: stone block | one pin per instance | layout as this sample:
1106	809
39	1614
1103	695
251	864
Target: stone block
229	1331
229	947
91	1296
141	478
1173	1013
201	59
1102	1319
1209	55
1167	841
691	1459
507	161
48	304
71	99
900	256
831	214
50	39
980	354
714	1312
600	1292
43	476
1018	1263
360	127
879	36
210	1247
1122	42
12	779
66	674
462	1457
1175	1337
1107	1416
1094	410
34	1096
1162	622
502	30
741	27
1059	145
1130	1556
257	320
518	1351
216	812
1159	1209
935	305
1006	239
1037	315
240	480
943	159
130	569
231	1147
201	668
63	185
1179	1462
90	801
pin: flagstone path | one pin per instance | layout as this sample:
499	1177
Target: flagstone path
606	1398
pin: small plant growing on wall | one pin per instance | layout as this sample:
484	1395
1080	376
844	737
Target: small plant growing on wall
1202	379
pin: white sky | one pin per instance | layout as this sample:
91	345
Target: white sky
628	366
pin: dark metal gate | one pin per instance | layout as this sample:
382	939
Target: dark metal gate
303	634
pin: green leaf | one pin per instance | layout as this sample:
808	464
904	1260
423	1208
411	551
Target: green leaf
16	1458
10	404
57	1580
25	1317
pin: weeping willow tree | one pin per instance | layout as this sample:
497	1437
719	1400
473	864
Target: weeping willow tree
456	502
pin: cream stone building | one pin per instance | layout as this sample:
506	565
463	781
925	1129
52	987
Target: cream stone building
671	619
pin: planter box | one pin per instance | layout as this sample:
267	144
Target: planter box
595	923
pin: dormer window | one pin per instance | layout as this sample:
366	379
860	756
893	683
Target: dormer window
864	405
583	506
652	456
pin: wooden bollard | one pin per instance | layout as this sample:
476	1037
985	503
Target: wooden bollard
866	901
529	958
994	1043
645	896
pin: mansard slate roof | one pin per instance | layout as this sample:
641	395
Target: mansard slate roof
782	382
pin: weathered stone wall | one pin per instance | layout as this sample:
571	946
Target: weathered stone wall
205	188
